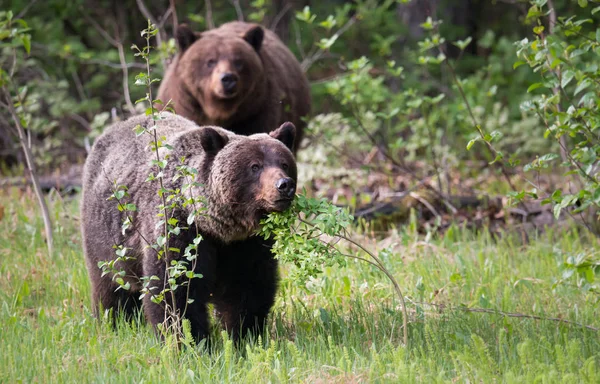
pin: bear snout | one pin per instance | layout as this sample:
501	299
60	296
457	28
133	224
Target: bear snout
229	82
286	187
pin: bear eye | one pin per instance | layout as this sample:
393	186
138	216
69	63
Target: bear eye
285	167
211	63
255	167
238	64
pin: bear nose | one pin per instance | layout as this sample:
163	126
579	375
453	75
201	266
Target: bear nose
229	81
286	187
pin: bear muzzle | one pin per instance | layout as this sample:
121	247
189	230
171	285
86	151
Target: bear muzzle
286	187
229	83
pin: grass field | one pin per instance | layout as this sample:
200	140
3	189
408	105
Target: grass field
342	327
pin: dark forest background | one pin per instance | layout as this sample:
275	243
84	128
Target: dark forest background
427	95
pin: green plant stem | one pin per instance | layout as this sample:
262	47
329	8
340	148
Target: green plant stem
432	149
552	20
31	167
478	127
127	216
309	61
399	165
377	262
443	307
158	169
569	157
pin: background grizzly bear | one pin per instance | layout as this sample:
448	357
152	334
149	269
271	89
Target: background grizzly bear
238	76
242	179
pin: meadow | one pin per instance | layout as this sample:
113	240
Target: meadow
468	295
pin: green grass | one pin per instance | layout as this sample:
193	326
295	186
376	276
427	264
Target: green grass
344	326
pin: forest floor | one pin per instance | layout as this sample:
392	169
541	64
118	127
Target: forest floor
470	299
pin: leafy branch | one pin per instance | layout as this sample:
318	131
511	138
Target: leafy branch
301	241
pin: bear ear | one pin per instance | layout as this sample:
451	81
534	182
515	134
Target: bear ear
286	133
211	140
185	37
254	36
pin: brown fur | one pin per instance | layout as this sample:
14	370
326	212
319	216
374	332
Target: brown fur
240	178
271	87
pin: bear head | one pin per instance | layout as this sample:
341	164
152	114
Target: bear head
218	70
243	177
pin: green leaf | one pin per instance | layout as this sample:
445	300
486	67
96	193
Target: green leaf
26	40
462	44
325	44
471	143
582	85
139	130
597	32
582	3
518	64
436	99
306	15
119	194
534	86
191	218
567	76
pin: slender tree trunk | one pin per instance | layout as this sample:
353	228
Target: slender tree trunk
31	168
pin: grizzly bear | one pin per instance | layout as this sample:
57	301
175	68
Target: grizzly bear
240	77
239	180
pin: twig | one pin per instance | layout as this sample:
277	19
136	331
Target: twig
569	157
238	9
144	10
125	79
78	85
109	64
398	164
174	15
84	123
117	43
126	213
149	16
383	269
478	126
425	203
474	120
24	11
562	139
299	41
328	79
209	15
309	61
432	148
279	16
31	168
443	307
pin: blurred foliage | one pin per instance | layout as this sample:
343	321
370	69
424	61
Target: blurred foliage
367	61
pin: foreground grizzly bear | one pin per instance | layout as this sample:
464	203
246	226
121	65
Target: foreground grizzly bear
238	76
242	178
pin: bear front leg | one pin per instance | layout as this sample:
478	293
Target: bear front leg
243	318
247	279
